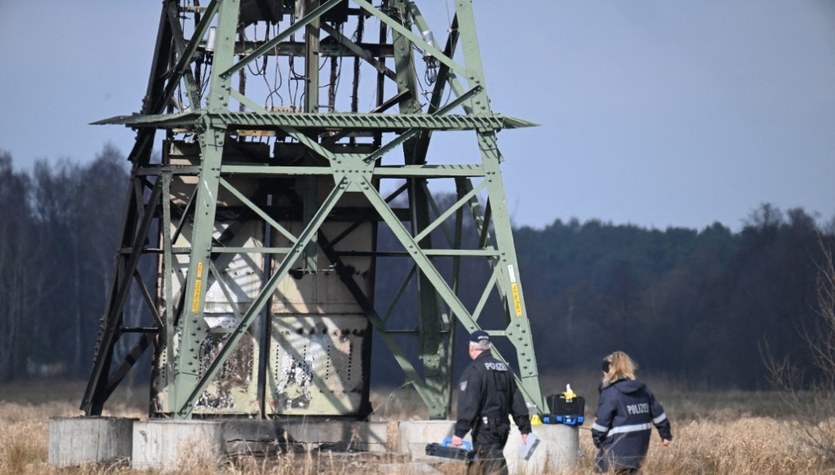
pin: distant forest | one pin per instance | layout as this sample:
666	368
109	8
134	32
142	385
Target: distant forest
700	306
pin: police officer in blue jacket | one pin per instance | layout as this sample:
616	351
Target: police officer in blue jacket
626	413
487	394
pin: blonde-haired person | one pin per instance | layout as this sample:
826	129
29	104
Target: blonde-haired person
626	412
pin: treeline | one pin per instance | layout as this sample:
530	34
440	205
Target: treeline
58	236
698	305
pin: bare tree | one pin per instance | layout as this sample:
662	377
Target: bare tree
809	393
17	274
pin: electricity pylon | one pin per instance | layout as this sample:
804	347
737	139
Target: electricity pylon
252	226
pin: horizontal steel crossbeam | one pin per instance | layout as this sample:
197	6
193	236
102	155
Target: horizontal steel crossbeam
335	121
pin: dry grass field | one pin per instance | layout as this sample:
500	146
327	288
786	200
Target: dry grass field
715	433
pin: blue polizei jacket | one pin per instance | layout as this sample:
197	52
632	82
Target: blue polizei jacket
626	413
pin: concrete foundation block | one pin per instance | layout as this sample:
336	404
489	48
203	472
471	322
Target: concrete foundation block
176	445
262	436
371	437
558	450
89	440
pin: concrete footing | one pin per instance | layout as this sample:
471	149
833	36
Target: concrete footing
171	444
175	445
558	450
414	435
89	440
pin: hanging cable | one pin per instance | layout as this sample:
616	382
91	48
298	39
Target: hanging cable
357	38
278	80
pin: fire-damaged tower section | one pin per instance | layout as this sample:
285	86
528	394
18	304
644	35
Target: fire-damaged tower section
279	141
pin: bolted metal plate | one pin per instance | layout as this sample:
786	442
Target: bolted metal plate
316	364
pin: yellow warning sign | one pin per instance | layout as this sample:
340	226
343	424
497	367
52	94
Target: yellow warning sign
195	300
517	300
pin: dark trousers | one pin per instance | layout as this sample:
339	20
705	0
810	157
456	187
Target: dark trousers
489	460
489	443
604	463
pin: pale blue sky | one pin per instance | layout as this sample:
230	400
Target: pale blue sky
657	113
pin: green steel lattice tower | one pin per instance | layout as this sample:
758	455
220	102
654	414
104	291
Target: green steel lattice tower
277	142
